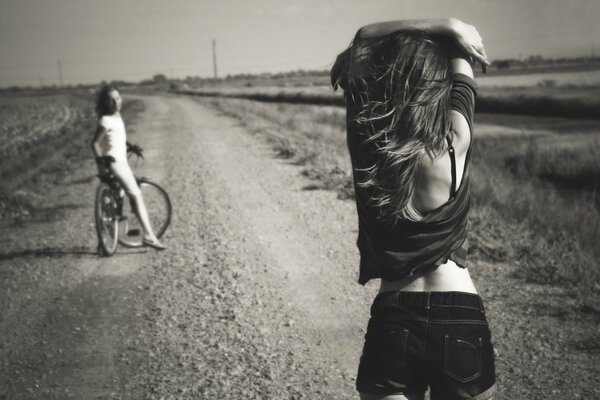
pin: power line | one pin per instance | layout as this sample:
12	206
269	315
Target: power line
60	75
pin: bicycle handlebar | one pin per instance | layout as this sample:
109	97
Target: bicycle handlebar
135	149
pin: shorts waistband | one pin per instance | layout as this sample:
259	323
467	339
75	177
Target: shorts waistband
428	299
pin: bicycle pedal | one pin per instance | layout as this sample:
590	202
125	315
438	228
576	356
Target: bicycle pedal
133	232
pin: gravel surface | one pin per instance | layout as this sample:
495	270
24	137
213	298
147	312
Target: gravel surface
256	297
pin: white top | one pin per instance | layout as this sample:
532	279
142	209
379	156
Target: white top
115	141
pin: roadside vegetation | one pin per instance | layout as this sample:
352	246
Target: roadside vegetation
308	136
535	197
525	212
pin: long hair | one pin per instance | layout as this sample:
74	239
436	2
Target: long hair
105	104
403	113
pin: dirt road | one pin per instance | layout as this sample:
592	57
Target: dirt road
256	296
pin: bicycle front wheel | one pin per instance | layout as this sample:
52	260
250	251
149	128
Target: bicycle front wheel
159	209
107	219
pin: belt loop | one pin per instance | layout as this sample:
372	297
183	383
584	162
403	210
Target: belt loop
481	305
427	304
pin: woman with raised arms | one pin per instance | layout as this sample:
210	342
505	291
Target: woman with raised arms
410	97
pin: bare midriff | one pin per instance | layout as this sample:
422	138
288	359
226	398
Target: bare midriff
448	277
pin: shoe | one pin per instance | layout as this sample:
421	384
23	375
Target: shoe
154	244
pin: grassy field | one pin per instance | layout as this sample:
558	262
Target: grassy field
548	78
535	193
43	133
27	120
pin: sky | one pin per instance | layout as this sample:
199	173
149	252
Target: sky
131	40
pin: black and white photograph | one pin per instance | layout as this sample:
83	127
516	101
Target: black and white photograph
299	199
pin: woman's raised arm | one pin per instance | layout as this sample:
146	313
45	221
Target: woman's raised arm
467	38
440	26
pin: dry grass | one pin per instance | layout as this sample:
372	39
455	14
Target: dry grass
522	213
27	120
306	135
572	163
570	103
550	230
541	79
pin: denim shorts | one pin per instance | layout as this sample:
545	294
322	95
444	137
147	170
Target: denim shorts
439	340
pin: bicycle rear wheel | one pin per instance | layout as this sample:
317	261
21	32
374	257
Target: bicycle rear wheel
107	220
159	209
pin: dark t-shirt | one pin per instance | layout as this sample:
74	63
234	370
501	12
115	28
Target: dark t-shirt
408	247
462	96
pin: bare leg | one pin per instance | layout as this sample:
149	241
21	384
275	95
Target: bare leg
139	207
123	173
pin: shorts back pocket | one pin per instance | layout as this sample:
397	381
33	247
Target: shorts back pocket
462	358
386	348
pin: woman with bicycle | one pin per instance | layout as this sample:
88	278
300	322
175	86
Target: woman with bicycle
410	97
110	148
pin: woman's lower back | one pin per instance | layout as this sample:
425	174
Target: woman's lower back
448	277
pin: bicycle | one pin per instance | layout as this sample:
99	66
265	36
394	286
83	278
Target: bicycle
116	222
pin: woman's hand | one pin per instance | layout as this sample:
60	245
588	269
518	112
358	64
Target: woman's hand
469	41
135	149
103	164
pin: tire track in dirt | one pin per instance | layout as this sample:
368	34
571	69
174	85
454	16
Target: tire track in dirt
267	197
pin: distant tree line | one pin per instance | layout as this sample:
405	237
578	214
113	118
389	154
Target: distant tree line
300	76
540	61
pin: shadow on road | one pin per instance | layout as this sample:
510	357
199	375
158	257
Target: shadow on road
78	181
57	210
48	252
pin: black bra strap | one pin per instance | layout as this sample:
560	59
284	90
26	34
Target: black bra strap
453	171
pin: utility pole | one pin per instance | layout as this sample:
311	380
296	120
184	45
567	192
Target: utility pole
60	77
214	48
592	42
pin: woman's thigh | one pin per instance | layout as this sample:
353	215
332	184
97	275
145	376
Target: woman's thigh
123	173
